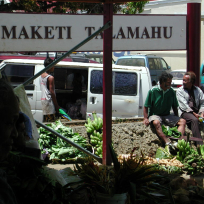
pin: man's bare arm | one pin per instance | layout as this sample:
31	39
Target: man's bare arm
145	112
52	91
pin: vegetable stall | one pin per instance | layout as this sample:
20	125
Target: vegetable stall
188	160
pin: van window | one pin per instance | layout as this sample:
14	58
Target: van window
64	78
124	83
151	63
132	62
164	64
157	63
17	74
70	81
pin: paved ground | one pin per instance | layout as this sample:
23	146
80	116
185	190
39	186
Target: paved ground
60	166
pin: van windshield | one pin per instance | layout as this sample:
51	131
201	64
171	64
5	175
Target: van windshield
132	62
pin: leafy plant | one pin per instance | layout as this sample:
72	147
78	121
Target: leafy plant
172	132
169	169
58	149
130	175
134	7
29	180
163	153
55	7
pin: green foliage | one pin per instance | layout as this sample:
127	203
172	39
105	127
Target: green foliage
163	153
134	7
129	175
169	169
172	132
55	7
201	150
58	148
29	180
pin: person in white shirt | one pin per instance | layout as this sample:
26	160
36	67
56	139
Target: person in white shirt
50	106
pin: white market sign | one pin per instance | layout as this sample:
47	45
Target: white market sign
61	32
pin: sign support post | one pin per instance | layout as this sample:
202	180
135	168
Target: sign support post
193	39
107	83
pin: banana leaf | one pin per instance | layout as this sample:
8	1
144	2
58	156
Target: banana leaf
163	153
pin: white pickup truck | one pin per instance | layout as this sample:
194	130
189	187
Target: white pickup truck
130	86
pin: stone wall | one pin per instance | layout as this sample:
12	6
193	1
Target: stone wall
126	136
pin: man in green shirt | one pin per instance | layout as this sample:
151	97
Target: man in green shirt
160	99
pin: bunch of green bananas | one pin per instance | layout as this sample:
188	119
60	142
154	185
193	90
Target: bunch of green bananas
94	130
96	124
200	150
96	140
89	126
192	159
193	164
184	149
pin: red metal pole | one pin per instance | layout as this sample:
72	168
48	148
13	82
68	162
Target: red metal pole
107	83
193	40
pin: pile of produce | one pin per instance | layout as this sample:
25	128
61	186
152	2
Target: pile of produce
171	132
170	165
192	159
163	162
58	150
95	132
188	159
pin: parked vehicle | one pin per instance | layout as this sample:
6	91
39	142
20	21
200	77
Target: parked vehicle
155	64
202	73
177	80
42	56
95	57
130	86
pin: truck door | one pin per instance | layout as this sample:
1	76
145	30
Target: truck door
37	112
125	93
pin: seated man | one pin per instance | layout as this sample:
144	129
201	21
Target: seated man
191	103
160	99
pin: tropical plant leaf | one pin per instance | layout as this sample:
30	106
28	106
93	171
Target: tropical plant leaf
132	192
116	163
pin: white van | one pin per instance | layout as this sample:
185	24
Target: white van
130	86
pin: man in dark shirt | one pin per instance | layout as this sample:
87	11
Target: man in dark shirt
191	103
